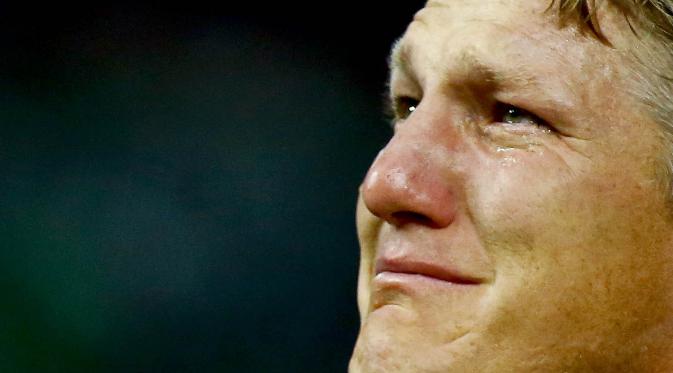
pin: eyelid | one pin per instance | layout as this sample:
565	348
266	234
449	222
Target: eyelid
502	109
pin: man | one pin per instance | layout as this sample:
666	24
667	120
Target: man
519	220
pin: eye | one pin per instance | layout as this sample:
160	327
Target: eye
402	107
510	114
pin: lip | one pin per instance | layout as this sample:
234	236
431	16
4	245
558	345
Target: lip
424	270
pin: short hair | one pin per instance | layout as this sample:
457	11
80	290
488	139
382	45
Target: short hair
651	21
651	16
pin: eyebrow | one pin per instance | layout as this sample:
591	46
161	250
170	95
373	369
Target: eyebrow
469	68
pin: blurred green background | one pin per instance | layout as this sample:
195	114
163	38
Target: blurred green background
179	181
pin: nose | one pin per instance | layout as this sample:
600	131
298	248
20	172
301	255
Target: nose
405	184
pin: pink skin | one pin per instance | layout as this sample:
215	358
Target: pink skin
514	247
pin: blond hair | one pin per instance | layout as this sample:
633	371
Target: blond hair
651	16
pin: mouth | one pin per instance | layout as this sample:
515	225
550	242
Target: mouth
388	269
407	283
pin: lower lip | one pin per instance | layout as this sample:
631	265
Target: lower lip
386	278
405	289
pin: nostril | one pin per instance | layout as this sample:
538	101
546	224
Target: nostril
404	217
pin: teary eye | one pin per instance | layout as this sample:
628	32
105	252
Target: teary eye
403	107
513	115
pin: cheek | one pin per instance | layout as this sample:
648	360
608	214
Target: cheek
574	247
541	203
520	196
368	227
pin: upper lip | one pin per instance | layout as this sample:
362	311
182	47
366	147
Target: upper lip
425	268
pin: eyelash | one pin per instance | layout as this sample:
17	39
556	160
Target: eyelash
400	108
502	111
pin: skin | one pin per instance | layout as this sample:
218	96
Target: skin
562	226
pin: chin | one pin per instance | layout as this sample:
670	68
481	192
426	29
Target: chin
380	350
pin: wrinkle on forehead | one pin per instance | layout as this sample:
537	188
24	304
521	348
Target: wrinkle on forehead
450	53
467	66
542	5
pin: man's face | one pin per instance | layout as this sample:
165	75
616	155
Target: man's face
516	221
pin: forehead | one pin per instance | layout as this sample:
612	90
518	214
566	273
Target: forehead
512	14
489	34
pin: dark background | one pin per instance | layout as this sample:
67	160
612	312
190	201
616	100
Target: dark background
179	181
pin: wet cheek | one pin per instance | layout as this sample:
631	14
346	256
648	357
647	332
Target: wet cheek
525	207
506	193
541	207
